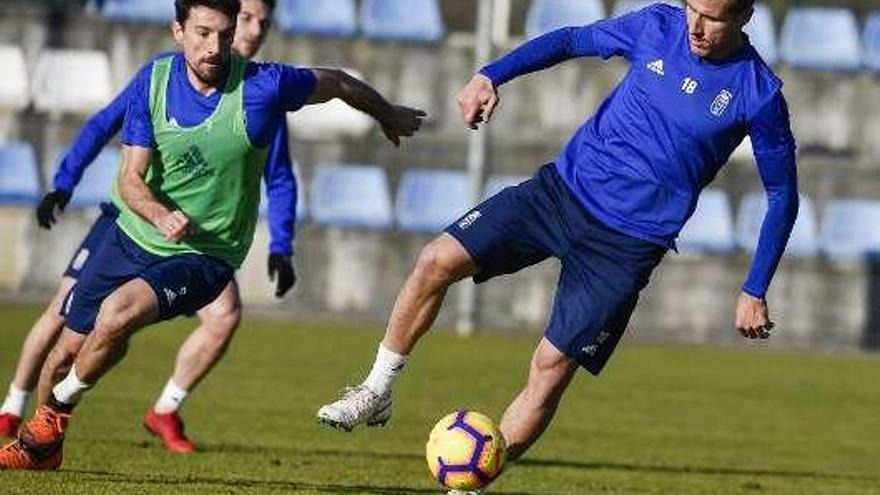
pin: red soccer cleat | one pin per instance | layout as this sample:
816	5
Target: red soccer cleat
9	424
169	428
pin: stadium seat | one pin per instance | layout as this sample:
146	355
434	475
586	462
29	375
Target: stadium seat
547	15
710	229
351	196
97	181
150	11
14	92
496	183
626	6
328	121
429	200
19	179
871	39
804	240
762	33
75	81
412	20
336	18
301	206
820	38
849	229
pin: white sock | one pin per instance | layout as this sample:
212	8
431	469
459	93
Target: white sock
71	389
171	399
16	401
388	365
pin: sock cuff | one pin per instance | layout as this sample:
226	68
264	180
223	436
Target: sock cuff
386	354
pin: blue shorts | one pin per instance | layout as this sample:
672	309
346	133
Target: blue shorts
603	270
109	213
183	284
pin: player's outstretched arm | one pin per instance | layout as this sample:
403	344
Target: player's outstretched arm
94	135
396	120
134	191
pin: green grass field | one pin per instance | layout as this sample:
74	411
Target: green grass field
671	420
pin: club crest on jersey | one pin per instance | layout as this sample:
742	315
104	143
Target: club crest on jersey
722	101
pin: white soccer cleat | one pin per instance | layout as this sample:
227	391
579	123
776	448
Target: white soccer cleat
357	405
460	492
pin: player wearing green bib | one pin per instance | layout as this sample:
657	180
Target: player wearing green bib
188	192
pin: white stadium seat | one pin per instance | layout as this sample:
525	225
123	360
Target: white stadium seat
71	81
14	92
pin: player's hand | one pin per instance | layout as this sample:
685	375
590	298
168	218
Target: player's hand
281	268
174	226
402	122
752	317
46	208
477	101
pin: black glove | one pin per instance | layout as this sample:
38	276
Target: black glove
281	265
46	208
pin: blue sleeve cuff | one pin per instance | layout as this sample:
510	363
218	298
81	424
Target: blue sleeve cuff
760	294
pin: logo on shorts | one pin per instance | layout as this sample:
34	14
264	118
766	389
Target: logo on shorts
469	219
171	296
69	301
722	101
592	349
81	257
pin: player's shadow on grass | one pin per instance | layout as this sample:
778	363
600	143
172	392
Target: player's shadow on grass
225	484
712	471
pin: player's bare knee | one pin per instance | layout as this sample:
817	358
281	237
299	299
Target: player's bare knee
113	321
549	374
437	263
222	322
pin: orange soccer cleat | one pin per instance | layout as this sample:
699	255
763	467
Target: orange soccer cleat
9	424
14	456
169	428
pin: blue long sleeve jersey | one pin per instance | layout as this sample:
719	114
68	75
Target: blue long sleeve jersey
281	187
639	163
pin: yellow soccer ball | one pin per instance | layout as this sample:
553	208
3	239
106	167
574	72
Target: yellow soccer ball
465	451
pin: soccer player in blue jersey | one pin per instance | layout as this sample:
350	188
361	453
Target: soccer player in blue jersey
219	320
196	137
612	203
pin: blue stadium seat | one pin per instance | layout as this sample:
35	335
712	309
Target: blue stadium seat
871	39
710	229
19	182
336	18
410	20
350	195
151	11
496	183
818	38
849	229
429	200
301	206
98	179
804	240
762	33
547	15
626	6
